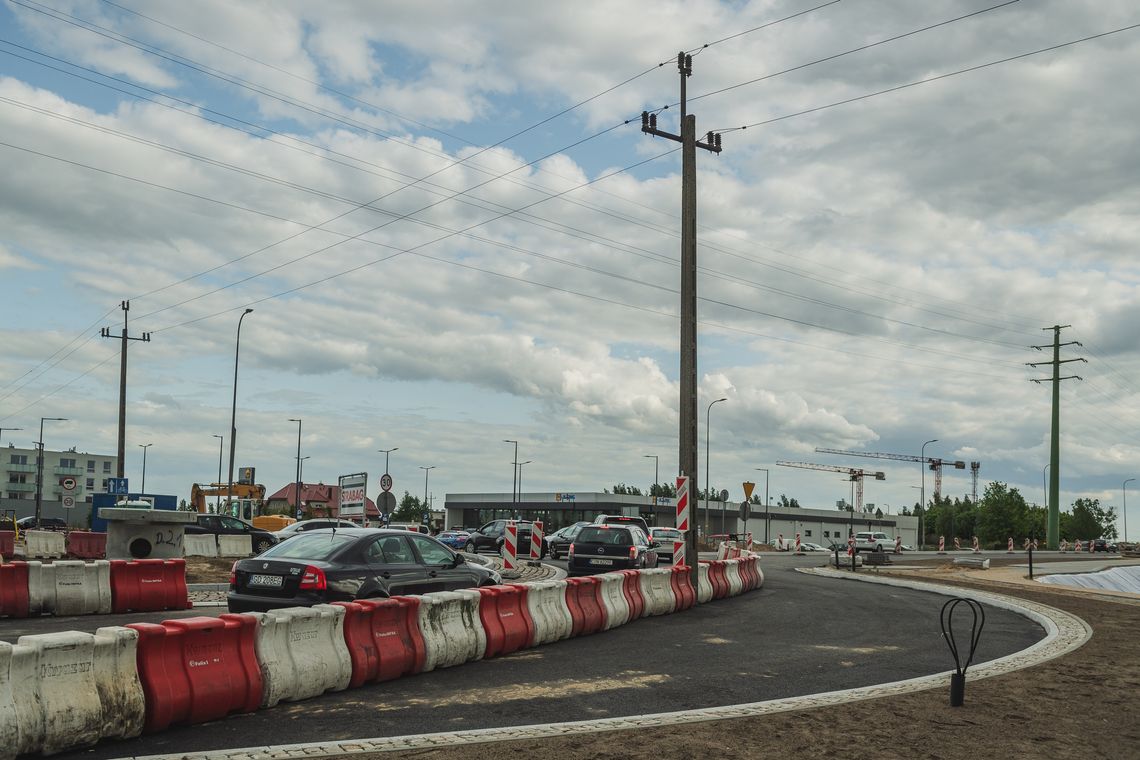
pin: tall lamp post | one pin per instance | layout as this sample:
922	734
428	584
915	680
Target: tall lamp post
426	471
520	476
765	471
514	469
386	452
708	435
297	500
144	447
301	477
2	429
233	411
922	493
40	466
1124	509
218	497
655	470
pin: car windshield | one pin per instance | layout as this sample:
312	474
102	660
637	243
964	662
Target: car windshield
316	545
605	536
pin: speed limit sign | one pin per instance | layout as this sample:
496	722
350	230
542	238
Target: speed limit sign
386	482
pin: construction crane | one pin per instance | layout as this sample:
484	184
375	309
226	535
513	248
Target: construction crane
854	474
935	463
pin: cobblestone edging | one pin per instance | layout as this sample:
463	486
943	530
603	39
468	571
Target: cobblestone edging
1064	633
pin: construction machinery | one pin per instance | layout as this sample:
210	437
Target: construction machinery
244	500
854	474
934	463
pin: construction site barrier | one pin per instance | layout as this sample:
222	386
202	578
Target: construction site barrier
681	582
506	619
732	575
657	588
717	579
510	546
383	638
301	652
149	585
71	587
235	546
66	690
85	544
449	623
751	573
587	595
7	545
44	544
14	597
536	540
546	602
198	669
631	588
613	599
704	585
199	545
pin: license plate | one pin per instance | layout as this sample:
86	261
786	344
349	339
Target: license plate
266	580
601	562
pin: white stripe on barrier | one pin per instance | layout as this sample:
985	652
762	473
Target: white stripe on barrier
657	589
64	690
74	587
235	546
546	602
613	598
453	633
44	543
301	652
732	573
704	585
199	545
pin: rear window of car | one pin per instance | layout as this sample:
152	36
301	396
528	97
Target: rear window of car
611	536
318	546
669	533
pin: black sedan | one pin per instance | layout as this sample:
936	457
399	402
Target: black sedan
558	542
602	548
349	563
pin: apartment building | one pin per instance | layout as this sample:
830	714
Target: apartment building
18	479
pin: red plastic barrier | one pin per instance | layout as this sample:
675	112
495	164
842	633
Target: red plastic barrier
683	591
84	544
587	595
7	544
197	669
149	585
631	587
506	619
383	638
747	580
717	579
753	575
14	600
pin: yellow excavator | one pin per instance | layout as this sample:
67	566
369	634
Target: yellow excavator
247	502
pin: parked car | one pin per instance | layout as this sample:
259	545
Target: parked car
1104	545
224	525
808	546
602	548
622	520
316	523
45	523
490	537
346	564
873	541
454	539
665	537
558	542
414	527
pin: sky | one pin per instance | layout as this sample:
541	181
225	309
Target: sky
453	232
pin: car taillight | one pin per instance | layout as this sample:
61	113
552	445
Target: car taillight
313	579
633	552
233	576
570	552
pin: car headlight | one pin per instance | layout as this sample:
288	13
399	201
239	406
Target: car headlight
498	579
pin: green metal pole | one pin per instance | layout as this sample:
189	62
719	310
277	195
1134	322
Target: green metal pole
1053	530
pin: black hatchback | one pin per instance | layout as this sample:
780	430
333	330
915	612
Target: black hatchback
602	548
346	564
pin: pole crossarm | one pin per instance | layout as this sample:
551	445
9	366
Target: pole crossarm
124	337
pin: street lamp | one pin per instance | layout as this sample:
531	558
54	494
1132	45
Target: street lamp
1124	509
426	470
708	487
233	410
301	478
655	462
218	494
765	471
40	466
144	447
922	492
297	504
2	429
514	468
520	476
386	452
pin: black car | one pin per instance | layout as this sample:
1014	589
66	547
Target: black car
558	542
346	564
224	525
1104	545
602	548
45	523
491	536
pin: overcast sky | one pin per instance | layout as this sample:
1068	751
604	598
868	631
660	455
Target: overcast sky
451	236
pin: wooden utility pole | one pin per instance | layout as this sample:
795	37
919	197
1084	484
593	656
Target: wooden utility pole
126	306
687	443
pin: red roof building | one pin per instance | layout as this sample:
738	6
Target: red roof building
317	500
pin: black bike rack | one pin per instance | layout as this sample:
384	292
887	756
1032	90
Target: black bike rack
958	678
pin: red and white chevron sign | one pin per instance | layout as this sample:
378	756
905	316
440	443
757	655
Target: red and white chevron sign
683	502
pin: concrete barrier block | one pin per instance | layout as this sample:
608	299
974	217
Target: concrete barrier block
235	546
199	545
451	629
704	586
613	599
44	544
657	588
117	682
72	587
732	573
546	602
301	652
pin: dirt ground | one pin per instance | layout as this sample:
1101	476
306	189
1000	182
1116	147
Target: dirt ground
208	569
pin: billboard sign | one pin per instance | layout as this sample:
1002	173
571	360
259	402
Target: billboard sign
352	494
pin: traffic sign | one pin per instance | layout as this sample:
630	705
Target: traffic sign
67	484
387	502
724	495
386	482
748	490
117	486
745	511
68	502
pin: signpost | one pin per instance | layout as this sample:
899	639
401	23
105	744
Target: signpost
117	486
745	509
386	482
68	485
352	495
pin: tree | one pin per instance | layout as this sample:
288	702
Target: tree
784	501
663	489
624	490
409	510
1090	520
1002	512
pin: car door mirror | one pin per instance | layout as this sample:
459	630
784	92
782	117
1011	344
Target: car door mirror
457	560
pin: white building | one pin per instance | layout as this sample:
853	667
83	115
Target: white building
18	480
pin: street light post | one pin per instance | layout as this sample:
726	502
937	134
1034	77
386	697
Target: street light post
426	470
708	435
218	496
386	452
40	467
1124	509
301	477
297	500
765	471
144	447
922	492
514	469
655	470
520	476
233	411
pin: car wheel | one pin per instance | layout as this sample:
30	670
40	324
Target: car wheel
470	548
553	553
262	545
879	548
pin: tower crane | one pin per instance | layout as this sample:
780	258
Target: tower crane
935	463
853	473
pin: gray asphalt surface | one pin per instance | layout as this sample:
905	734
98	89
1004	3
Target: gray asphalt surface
797	635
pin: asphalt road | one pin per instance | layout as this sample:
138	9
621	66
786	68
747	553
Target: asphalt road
797	635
